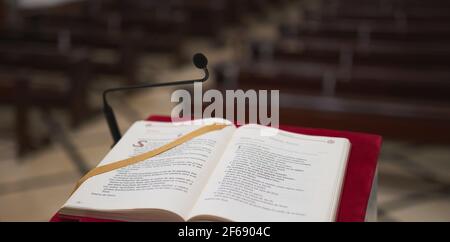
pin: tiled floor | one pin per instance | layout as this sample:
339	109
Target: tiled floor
414	182
414	179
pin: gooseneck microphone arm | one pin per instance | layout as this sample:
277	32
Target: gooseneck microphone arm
199	61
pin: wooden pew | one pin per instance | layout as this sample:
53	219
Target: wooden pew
192	12
314	51
310	92
373	7
385	5
14	92
220	13
360	80
64	42
142	14
71	89
20	90
410	17
387	27
2	14
367	34
155	33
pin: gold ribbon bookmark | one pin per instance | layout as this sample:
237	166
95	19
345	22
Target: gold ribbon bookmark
147	155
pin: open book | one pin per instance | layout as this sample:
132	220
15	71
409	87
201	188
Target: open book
232	174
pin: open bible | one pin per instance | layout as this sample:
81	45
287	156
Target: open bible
250	173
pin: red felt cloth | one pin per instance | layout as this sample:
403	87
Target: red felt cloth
358	179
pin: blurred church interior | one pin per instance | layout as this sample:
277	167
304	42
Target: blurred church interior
374	66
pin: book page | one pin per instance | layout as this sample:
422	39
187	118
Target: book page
170	181
285	177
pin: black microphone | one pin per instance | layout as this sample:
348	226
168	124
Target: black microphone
199	61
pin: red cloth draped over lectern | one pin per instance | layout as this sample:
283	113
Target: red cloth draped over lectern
359	176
